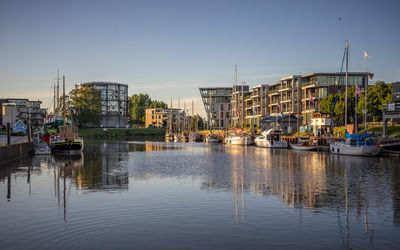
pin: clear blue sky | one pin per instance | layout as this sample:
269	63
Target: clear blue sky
170	48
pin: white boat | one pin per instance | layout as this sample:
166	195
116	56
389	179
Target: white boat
42	148
238	139
271	139
355	146
212	139
302	147
177	138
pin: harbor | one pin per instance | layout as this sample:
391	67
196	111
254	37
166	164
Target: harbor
199	125
163	194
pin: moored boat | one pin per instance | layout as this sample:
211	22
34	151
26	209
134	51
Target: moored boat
271	139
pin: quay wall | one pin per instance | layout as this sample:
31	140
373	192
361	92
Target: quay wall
15	151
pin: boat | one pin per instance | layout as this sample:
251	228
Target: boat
67	141
238	137
195	137
169	137
42	148
185	137
211	138
177	138
302	147
271	139
355	144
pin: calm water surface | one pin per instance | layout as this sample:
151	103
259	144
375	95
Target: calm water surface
183	195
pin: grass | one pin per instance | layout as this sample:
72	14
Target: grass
393	131
122	133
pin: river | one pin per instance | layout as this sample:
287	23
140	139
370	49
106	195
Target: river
126	194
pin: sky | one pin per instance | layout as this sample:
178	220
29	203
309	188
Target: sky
169	49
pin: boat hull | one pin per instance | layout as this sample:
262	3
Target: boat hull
243	141
302	147
269	144
67	147
345	149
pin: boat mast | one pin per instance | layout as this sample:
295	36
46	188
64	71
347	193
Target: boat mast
58	93
54	101
64	110
347	78
193	116
170	117
365	97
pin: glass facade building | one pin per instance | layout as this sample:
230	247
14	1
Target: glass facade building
114	103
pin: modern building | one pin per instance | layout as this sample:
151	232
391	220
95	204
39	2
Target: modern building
9	113
159	118
114	103
27	111
256	105
217	103
237	110
290	95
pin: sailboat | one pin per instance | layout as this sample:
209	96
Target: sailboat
67	141
169	136
355	144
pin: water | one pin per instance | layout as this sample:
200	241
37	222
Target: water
186	195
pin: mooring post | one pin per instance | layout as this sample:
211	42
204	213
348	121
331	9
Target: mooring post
8	134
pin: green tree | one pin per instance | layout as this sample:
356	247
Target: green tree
157	104
85	106
138	103
378	94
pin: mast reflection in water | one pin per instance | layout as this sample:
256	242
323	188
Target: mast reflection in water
183	195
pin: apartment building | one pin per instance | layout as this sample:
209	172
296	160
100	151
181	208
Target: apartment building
159	118
27	110
217	103
256	105
237	109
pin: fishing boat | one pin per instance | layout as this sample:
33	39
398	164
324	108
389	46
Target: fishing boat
355	144
67	141
271	139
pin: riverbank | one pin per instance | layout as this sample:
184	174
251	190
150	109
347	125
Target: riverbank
122	133
376	130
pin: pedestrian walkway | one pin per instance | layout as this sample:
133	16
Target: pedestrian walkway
14	139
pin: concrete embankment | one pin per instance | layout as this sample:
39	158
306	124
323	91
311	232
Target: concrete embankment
15	151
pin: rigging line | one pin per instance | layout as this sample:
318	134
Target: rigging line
337	90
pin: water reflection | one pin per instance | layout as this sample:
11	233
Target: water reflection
358	197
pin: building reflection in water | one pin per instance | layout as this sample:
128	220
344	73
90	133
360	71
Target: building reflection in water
310	180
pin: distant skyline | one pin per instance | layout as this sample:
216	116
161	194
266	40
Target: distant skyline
169	49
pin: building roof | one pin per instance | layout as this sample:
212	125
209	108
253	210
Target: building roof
101	83
273	118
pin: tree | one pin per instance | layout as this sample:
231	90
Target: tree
157	104
138	103
85	106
